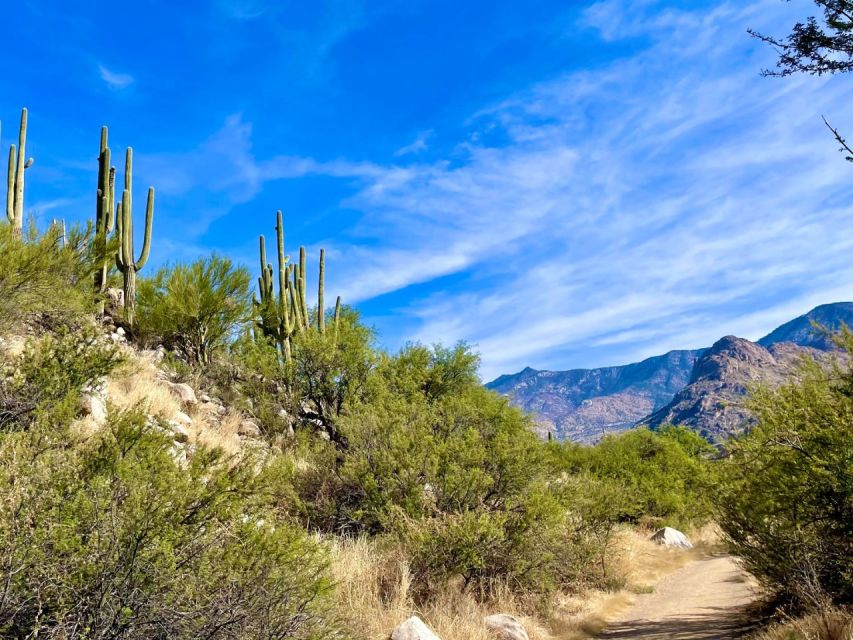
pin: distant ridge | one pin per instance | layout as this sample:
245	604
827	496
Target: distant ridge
703	388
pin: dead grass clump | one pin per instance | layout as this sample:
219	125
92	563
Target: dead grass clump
829	624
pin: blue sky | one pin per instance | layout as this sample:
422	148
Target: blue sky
562	184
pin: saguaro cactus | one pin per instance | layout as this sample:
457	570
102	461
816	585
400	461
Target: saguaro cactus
124	230
283	316
15	178
104	216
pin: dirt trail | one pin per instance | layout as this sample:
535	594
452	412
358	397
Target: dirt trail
701	601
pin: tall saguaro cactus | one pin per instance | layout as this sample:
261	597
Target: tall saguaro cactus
282	316
124	230
15	178
104	216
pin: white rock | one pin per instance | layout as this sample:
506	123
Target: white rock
204	398
184	392
94	405
121	332
413	629
183	418
249	429
670	537
506	627
179	431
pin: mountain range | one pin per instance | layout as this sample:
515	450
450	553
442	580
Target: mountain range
703	389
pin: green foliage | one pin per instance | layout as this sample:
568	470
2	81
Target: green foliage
665	476
787	503
46	380
112	539
194	309
43	279
454	471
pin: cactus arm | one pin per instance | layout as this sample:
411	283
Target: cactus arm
126	231
149	222
111	190
10	186
321	309
19	173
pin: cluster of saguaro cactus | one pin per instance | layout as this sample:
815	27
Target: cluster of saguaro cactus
125	261
104	216
15	178
281	317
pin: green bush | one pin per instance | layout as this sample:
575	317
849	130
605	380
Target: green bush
666	476
112	538
44	279
787	503
47	379
193	309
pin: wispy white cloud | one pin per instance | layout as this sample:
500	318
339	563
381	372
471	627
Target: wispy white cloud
420	143
643	207
114	79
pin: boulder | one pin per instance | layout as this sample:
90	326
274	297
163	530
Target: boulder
505	627
249	429
183	418
93	405
179	431
413	629
114	300
670	537
184	392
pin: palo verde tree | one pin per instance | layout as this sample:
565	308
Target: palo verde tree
125	261
817	47
15	178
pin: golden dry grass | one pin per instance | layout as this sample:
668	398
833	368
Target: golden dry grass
373	590
830	624
138	383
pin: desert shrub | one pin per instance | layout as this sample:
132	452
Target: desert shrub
666	476
330	370
455	473
43	278
193	309
113	539
48	378
787	503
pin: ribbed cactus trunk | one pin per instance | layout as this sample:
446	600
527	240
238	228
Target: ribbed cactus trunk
15	179
124	229
104	218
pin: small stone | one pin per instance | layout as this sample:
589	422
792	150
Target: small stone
413	629
506	627
249	429
93	405
204	398
121	332
184	392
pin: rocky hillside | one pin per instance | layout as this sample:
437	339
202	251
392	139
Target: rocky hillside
713	402
703	388
583	404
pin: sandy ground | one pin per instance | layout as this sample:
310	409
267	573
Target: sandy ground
704	600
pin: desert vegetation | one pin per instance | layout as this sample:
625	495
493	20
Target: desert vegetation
322	487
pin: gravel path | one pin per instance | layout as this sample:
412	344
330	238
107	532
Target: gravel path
704	600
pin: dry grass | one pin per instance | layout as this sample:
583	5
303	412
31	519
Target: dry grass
830	624
138	383
373	590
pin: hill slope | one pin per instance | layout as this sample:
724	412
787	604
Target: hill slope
701	388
